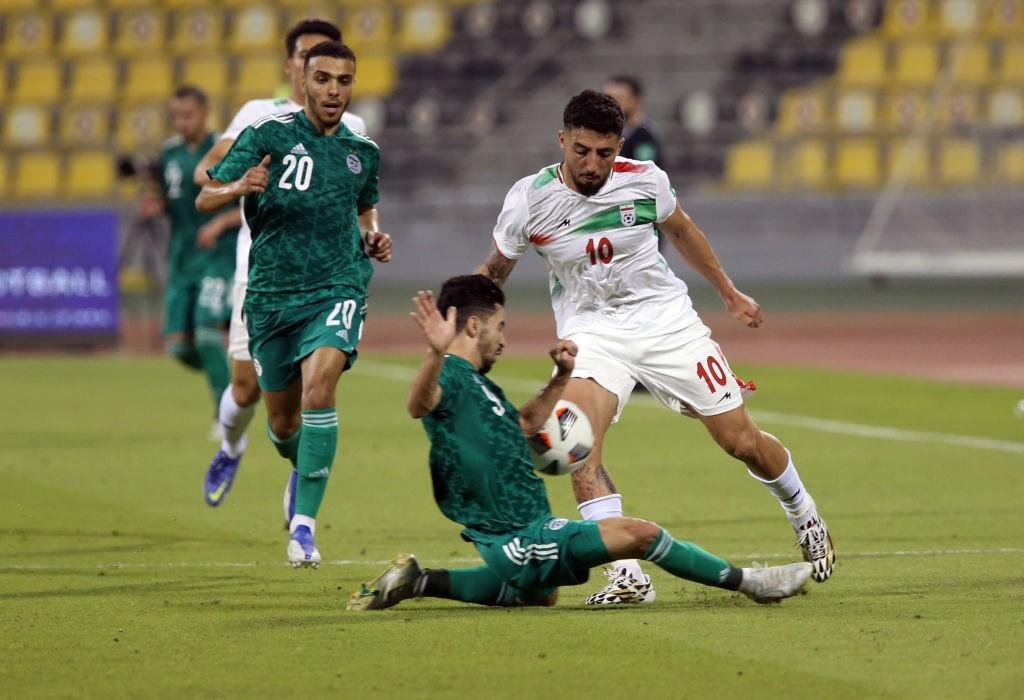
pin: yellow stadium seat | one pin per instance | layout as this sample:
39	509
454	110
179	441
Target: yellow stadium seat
85	31
148	78
141	30
131	4
207	72
18	5
85	125
856	111
959	17
37	175
1005	18
904	109
808	165
200	28
376	75
1011	68
253	28
969	62
258	76
959	107
89	174
72	4
297	10
185	4
909	162
1005	108
27	34
750	165
802	111
27	125
959	162
93	79
424	26
5	176
40	80
917	62
906	17
858	164
141	126
863	62
368	26
1010	167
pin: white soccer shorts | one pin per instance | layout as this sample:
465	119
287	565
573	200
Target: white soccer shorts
685	370
238	334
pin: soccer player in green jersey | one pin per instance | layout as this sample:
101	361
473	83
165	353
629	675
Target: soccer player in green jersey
197	302
310	188
483	479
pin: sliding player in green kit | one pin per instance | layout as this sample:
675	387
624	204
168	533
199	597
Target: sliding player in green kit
483	479
310	188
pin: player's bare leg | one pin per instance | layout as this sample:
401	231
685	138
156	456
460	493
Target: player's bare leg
770	462
597	497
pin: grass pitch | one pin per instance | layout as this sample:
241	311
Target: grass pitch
116	579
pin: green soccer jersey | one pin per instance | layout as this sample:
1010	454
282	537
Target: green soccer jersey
189	264
306	243
479	462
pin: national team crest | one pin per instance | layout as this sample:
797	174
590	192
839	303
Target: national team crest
627	214
354	164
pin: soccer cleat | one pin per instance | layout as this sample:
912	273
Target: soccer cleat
395	584
289	499
302	549
770	584
219	478
623	589
815	542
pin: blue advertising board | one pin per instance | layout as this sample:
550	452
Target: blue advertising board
58	272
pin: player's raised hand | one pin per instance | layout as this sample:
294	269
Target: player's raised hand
439	331
564	356
256	178
378	245
744	309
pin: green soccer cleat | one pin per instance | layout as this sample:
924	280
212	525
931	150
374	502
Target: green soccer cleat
770	584
395	584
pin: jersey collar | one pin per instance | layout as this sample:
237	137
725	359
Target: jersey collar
303	119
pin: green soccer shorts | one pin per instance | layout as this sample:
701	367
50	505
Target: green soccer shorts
545	555
280	340
191	305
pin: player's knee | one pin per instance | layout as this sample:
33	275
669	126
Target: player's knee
642	533
245	390
318	395
744	445
284	425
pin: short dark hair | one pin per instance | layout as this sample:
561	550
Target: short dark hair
594	111
309	26
633	83
471	295
335	49
192	91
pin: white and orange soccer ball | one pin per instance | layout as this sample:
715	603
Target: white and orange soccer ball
565	441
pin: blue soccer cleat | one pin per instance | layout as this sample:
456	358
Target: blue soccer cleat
289	499
302	549
219	478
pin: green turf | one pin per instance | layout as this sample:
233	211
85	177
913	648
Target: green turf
116	580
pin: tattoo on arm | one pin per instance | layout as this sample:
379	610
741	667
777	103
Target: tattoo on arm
589	483
497	267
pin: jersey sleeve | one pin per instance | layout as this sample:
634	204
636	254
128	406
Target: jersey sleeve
664	196
451	389
246	152
370	194
510	235
354	122
245	116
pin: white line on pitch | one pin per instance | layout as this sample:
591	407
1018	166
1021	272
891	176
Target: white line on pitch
472	560
399	372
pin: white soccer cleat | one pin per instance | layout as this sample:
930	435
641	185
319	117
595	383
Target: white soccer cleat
770	584
395	584
302	549
813	539
623	589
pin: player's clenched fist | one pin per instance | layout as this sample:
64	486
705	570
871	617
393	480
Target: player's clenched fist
378	245
564	356
255	178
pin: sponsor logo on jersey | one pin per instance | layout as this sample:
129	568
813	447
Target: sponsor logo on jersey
627	214
557	523
299	150
354	164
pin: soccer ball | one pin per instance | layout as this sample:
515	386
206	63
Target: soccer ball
565	441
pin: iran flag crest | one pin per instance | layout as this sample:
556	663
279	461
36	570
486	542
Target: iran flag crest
627	214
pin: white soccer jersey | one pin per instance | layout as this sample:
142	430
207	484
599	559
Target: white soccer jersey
602	251
252	111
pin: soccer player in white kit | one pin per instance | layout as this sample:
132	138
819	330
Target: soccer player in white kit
592	218
238	402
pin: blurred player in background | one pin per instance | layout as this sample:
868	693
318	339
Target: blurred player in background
197	300
641	139
310	188
483	479
238	402
592	218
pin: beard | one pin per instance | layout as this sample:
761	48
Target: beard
486	364
588	189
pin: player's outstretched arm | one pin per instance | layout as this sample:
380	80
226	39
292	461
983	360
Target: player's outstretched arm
217	194
496	266
695	248
439	332
210	159
535	411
